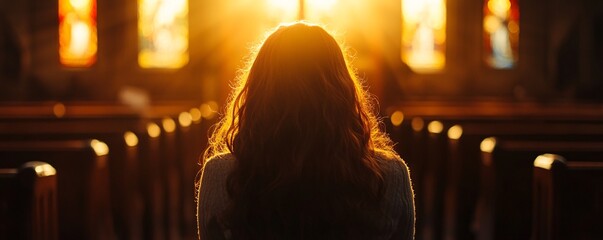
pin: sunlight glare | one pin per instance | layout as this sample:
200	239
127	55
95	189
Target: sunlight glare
544	161
169	125
100	148
397	118
284	10
185	119
455	132
131	139
488	144
435	127
417	124
320	5
153	130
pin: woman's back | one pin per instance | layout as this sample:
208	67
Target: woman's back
393	219
308	159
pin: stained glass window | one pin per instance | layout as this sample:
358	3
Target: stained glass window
501	33
77	33
163	33
424	34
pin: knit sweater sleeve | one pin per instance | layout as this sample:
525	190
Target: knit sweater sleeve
212	196
405	227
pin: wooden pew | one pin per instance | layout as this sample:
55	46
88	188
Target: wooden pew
87	123
567	198
184	132
464	160
132	167
505	200
192	141
418	148
83	182
28	206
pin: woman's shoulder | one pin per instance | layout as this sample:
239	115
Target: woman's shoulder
218	165
392	164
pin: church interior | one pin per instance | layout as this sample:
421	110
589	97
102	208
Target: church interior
495	105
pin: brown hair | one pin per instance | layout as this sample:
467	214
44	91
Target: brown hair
300	126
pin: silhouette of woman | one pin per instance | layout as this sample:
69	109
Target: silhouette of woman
299	154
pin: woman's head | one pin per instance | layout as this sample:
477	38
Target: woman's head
299	87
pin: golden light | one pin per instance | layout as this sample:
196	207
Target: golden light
424	34
545	161
397	118
488	144
44	170
208	110
320	5
131	139
100	148
163	33
417	124
77	33
435	127
499	7
513	27
455	132
185	119
168	124
195	115
153	130
284	10
59	110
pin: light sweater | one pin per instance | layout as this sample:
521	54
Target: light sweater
398	197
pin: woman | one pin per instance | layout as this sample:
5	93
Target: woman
298	153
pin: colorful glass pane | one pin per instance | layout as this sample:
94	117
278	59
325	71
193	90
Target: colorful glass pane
501	33
163	33
77	33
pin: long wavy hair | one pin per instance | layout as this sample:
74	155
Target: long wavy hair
301	127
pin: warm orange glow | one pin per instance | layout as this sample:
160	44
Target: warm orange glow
545	161
397	118
44	170
208	110
100	148
185	119
455	132
163	33
131	139
488	144
59	110
77	32
319	10
168	125
153	130
417	124
195	115
435	127
320	5
284	10
289	10
501	33
424	34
